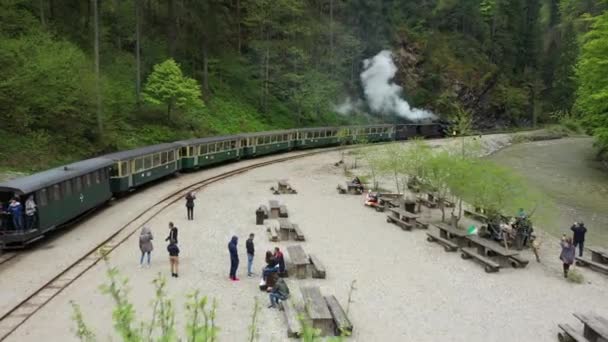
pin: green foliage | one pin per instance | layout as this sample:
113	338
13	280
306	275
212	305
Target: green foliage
574	276
592	94
167	85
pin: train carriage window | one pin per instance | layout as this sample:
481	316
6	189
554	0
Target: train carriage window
211	148
147	162
66	188
233	144
286	137
124	168
139	164
316	134
42	198
260	140
115	170
56	192
226	145
183	152
171	156
163	158
191	151
309	135
202	149
77	184
156	159
266	140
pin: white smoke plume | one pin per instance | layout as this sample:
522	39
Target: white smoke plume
382	94
349	106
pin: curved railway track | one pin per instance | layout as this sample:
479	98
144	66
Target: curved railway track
21	312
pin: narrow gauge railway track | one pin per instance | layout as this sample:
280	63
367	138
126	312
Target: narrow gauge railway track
21	312
6	257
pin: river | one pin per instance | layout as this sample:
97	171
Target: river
566	172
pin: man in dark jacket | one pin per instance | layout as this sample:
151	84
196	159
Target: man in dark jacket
190	197
579	230
250	252
234	258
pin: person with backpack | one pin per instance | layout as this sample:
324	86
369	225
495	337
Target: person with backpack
190	197
145	245
173	250
172	233
567	254
234	257
578	236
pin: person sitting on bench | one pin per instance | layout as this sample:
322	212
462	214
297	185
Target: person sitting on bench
356	181
272	266
278	256
279	292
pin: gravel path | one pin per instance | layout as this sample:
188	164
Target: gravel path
406	288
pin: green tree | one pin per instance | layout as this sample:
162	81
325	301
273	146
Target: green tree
167	85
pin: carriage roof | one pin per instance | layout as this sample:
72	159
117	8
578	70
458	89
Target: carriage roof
138	152
40	180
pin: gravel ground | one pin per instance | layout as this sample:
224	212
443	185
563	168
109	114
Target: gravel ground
406	288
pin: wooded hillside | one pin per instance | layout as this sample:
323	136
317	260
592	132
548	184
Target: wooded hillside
82	77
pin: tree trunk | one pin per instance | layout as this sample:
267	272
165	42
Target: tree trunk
171	27
205	65
42	20
238	26
331	36
137	51
97	78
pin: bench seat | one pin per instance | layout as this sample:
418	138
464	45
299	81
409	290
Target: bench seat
342	323
283	211
318	270
448	245
569	334
490	265
518	262
298	233
581	261
404	225
294	326
273	234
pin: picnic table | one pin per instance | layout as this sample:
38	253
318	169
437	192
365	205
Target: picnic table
402	218
450	237
299	260
595	329
317	310
482	249
429	201
285	227
283	187
598	261
275	209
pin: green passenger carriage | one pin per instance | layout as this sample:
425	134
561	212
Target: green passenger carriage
136	167
61	194
256	144
198	153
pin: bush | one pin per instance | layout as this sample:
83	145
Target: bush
574	276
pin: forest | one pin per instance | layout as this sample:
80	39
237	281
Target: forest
84	77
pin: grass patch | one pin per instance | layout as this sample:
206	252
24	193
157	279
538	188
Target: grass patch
574	276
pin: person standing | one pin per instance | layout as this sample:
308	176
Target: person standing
145	245
579	230
173	258
250	252
172	233
16	210
234	257
30	212
567	254
190	197
279	292
278	256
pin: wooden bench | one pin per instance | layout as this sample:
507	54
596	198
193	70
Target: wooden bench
299	260
595	327
447	203
518	262
343	325
283	211
341	189
448	245
429	201
422	224
404	225
274	208
490	266
272	227
299	235
318	270
317	310
450	233
581	261
294	326
569	334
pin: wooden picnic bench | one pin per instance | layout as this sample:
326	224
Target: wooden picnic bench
595	329
450	237
476	215
283	211
490	265
275	209
429	201
283	187
486	248
299	260
317	310
402	218
341	321
272	227
285	228
318	270
299	235
598	261
294	325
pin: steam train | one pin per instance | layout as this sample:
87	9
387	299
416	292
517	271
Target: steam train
65	193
